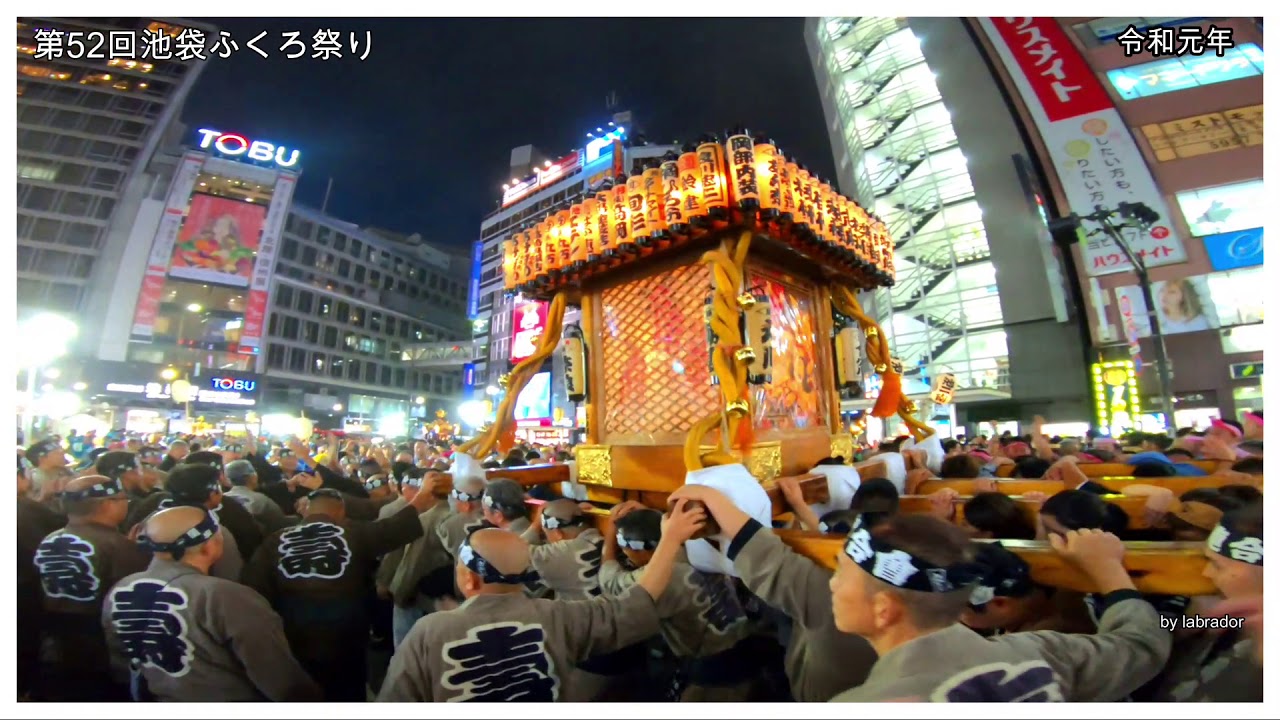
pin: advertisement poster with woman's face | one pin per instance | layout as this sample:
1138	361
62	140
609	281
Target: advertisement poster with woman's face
1183	305
218	241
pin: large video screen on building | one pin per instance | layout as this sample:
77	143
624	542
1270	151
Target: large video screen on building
534	401
218	241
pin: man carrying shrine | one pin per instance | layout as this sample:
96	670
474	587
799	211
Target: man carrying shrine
317	576
503	646
191	637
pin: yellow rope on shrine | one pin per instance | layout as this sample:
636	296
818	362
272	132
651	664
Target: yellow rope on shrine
891	398
504	421
728	361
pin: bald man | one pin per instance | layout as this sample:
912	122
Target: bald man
195	638
502	646
317	576
77	566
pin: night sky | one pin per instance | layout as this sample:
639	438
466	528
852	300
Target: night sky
417	138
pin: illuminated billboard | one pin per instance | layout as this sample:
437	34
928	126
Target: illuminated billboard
528	321
218	241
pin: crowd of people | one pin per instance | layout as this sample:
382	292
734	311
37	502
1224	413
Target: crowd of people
203	569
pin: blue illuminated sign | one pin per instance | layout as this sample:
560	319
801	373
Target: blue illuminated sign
598	146
1232	250
473	290
1174	74
469	376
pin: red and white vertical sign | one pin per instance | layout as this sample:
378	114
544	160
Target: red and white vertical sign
255	310
1091	149
150	296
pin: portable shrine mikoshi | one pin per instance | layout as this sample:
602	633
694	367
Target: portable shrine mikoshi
719	317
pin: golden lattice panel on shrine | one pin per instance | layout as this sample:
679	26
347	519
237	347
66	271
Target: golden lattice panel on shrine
653	342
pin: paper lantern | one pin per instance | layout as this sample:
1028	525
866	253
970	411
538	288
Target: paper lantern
848	357
712	174
655	202
860	229
787	174
577	238
769	179
822	207
622	220
757	333
638	211
575	364
944	388
564	249
742	172
804	203
509	263
604	223
538	253
672	197
691	188
591	229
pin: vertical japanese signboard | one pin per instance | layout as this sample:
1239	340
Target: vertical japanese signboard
473	287
149	297
260	285
1091	149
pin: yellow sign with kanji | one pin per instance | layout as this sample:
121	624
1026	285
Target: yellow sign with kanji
1205	134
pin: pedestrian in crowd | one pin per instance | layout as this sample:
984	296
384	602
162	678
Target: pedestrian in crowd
191	637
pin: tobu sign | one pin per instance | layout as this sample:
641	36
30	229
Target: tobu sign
236	384
234	145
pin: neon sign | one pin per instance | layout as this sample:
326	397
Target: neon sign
236	384
234	145
564	166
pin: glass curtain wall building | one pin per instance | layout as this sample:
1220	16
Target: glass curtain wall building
907	164
903	148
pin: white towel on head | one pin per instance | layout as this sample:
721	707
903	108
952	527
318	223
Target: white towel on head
464	469
746	493
932	447
895	469
842	483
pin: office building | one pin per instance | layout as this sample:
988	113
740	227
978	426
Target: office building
968	145
538	185
266	307
86	129
1194	123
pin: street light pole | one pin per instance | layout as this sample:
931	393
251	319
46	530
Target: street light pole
1140	216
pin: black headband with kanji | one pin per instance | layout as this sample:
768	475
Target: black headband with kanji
489	574
550	522
463	496
1230	542
901	569
636	543
106	488
198	535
